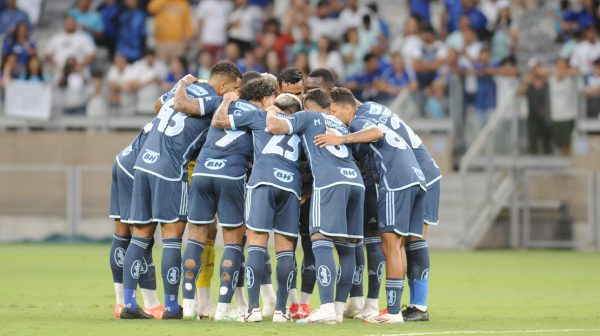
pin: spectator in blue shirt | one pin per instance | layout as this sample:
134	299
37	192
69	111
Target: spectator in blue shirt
131	39
177	70
456	8
420	8
88	20
109	11
11	16
362	84
20	44
485	97
395	79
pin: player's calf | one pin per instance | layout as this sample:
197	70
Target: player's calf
191	267
345	275
417	256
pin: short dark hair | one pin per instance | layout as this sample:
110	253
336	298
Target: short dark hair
289	76
248	76
257	89
343	96
368	57
319	96
226	69
288	102
325	74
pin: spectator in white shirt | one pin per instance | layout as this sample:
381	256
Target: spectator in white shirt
70	43
73	85
592	91
144	79
564	98
117	79
410	43
213	16
586	52
321	24
243	24
351	16
327	57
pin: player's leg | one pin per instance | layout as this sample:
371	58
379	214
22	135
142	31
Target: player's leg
260	214
286	232
240	296
293	295
204	306
120	242
267	292
231	221
142	232
417	256
307	269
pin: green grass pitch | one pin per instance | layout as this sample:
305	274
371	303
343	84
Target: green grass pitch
67	290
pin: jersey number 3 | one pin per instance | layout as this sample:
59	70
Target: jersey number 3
273	147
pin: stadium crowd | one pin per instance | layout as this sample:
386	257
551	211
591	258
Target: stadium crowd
458	64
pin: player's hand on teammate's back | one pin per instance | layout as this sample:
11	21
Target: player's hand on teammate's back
189	79
330	138
231	96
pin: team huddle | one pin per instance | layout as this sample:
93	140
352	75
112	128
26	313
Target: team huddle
297	159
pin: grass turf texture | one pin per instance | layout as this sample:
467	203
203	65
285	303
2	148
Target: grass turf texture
67	290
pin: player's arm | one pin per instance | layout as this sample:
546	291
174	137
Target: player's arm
221	118
369	134
182	102
277	124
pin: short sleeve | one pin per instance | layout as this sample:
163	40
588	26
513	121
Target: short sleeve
297	122
359	124
253	119
209	105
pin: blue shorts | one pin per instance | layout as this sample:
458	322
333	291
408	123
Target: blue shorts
210	195
432	204
402	211
337	211
157	200
370	216
270	209
120	193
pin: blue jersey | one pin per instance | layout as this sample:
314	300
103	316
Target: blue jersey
331	165
396	163
276	157
127	157
195	90
172	139
380	114
226	152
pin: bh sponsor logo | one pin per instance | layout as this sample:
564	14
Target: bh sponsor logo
215	164
283	175
348	172
150	156
419	173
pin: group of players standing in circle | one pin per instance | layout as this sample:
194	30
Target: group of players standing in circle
300	159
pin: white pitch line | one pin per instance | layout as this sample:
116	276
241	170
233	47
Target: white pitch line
480	332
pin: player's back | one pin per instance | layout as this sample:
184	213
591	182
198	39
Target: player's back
331	165
128	155
381	114
225	152
172	138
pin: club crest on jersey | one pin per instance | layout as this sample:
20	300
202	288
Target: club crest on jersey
249	277
237	113
391	297
126	151
348	172
119	256
135	269
150	156
358	275
215	164
283	175
419	173
173	275
324	275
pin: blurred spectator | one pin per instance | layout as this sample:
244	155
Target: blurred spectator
243	24
20	44
564	97
70	43
117	79
351	16
396	79
213	16
72	84
368	33
296	16
131	37
33	8
456	40
272	63
205	62
468	56
304	44
90	21
10	69
177	69
301	63
352	52
34	71
274	39
144	78
322	24
535	89
11	16
457	8
592	91
109	11
583	18
173	29
485	96
327	57
96	105
428	58
410	42
436	104
232	52
420	8
250	62
363	84
505	33
586	52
